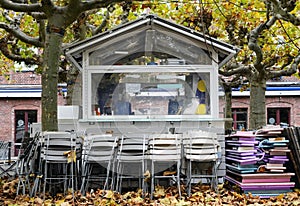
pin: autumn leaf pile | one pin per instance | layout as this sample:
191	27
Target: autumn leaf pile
201	195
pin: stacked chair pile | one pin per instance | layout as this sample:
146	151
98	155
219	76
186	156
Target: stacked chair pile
58	162
202	154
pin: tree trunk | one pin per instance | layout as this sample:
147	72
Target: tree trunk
257	104
71	79
228	111
52	54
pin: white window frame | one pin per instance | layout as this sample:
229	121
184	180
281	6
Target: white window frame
87	91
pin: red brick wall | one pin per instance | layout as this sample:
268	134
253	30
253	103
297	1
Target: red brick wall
7	114
9	105
21	78
291	102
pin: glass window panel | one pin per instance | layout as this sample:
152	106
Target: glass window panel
142	46
278	116
271	116
240	118
156	93
284	116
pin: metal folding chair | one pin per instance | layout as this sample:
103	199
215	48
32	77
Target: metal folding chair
165	152
98	157
4	146
26	166
131	160
59	159
7	165
201	152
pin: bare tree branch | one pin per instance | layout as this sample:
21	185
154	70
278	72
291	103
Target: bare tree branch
103	24
10	55
241	69
88	5
253	44
283	13
289	70
38	15
20	7
21	35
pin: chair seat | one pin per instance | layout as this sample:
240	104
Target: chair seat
202	158
134	147
131	158
158	142
165	151
193	151
201	141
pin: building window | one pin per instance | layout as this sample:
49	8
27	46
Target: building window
278	116
240	118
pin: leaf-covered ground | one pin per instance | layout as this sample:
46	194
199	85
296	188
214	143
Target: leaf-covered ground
201	195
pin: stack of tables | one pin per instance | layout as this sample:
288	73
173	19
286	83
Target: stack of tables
259	169
241	152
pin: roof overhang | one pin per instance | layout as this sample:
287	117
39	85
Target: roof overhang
74	52
20	91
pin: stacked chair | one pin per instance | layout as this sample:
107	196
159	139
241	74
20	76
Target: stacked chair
131	160
202	154
165	158
27	166
59	160
105	161
98	161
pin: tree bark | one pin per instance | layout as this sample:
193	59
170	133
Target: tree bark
257	104
52	54
228	109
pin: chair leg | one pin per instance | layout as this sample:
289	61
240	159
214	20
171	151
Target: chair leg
119	171
88	174
178	179
107	177
142	177
112	176
35	186
189	177
45	179
84	176
152	179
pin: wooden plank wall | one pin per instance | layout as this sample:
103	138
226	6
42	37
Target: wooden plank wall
293	135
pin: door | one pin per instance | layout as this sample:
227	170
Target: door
23	119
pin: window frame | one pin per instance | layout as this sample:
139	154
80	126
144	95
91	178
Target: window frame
87	91
234	117
277	111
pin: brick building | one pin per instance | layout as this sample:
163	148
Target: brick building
282	104
20	100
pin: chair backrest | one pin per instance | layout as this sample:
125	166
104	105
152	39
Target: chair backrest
132	148
200	146
57	145
4	146
165	147
99	147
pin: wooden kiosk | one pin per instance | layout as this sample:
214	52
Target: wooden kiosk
149	76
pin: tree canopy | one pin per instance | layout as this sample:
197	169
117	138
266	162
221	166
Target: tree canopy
266	32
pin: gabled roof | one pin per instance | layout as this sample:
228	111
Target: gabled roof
150	34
